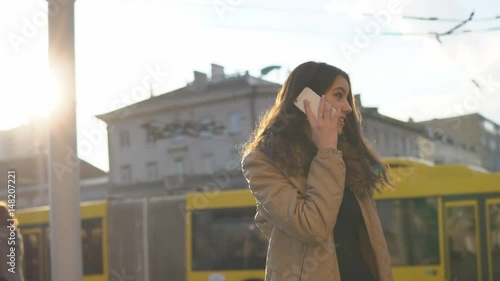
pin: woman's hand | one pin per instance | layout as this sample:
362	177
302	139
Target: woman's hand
324	129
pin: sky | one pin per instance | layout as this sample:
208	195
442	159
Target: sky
120	43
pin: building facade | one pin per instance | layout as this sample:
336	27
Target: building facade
187	138
395	138
474	130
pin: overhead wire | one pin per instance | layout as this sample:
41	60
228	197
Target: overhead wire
448	20
317	11
437	35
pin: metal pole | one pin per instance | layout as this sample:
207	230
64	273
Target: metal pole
145	237
65	227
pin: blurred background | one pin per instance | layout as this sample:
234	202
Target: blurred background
167	90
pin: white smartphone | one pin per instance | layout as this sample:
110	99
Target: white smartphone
313	99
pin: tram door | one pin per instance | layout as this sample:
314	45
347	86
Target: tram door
493	235
36	261
33	254
462	241
47	258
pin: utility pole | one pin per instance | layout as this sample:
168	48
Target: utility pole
64	165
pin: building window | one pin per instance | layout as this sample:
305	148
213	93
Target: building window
414	148
381	139
152	170
234	163
208	163
387	139
367	132
489	127
178	134
179	169
410	150
397	143
375	137
493	145
124	139
235	123
126	174
150	138
235	155
206	127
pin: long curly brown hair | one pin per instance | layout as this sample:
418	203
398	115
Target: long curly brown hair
284	127
4	215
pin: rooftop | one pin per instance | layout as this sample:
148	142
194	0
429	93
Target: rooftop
200	86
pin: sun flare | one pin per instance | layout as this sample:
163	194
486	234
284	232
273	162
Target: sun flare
34	97
44	96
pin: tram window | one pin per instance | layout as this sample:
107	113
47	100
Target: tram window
32	252
92	246
411	230
46	253
227	239
495	239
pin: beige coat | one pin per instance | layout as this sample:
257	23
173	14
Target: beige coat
298	215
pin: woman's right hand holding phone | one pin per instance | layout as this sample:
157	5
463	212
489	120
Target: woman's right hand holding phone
324	129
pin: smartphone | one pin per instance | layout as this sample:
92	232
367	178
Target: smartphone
313	99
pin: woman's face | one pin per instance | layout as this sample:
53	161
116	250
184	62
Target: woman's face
337	97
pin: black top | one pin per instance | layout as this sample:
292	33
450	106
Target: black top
352	266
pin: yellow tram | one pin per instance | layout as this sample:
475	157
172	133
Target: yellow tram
440	223
34	225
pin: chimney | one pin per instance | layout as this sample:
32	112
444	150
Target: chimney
357	101
217	73
200	80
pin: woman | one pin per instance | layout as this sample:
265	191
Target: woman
313	180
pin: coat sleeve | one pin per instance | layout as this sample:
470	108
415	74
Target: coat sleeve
309	217
4	250
264	225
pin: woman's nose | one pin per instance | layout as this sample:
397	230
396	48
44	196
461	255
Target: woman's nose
346	107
